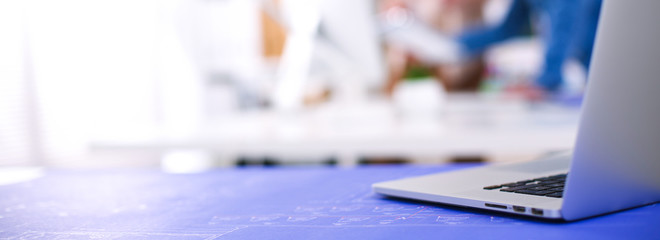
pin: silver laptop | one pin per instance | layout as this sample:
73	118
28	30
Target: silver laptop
615	164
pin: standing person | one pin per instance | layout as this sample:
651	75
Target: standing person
567	27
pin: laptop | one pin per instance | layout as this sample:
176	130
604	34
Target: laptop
615	164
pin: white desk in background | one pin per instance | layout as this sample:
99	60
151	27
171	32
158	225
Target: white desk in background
466	125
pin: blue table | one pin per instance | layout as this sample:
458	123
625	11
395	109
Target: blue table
270	203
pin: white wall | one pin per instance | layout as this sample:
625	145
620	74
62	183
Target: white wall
108	67
17	118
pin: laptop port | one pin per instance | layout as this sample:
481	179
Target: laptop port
537	211
495	206
519	209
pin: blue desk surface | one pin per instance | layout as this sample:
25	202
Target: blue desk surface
270	203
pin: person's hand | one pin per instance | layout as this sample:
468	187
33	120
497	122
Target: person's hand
389	4
529	92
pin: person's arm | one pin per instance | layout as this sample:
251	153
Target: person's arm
514	23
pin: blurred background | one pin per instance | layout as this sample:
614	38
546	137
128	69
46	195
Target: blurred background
190	85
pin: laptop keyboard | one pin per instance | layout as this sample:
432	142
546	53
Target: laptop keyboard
551	186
